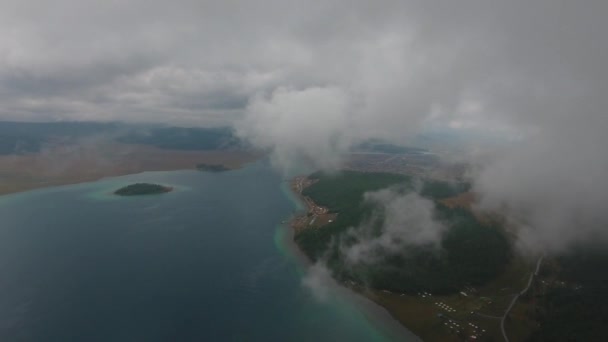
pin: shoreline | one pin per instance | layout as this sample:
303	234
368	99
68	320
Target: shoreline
376	315
422	315
380	316
39	175
43	185
74	164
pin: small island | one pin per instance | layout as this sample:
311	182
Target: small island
142	189
212	167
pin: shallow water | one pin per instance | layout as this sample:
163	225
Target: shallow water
208	261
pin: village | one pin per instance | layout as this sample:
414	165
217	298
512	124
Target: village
316	216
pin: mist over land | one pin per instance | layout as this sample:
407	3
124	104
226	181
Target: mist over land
35	155
313	81
508	98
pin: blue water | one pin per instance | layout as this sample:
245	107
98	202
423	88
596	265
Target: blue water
206	262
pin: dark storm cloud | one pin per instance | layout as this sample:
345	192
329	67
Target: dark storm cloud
307	79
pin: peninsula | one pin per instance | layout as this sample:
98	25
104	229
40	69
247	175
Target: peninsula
458	293
477	286
142	189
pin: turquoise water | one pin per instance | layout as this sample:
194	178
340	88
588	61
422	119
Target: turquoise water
209	261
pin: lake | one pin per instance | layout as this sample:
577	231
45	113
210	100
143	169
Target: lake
209	261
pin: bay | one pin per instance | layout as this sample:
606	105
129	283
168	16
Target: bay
209	261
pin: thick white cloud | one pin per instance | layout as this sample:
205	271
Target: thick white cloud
401	221
300	125
319	281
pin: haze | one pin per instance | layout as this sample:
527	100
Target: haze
308	80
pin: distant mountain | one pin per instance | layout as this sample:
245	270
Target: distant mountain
180	138
377	146
31	137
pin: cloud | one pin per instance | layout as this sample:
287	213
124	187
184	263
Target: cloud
319	281
399	221
306	81
552	190
300	125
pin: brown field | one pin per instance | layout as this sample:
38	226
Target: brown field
467	200
463	200
69	164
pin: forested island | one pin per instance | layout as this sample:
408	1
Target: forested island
142	189
212	167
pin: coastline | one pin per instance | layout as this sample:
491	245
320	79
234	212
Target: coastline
362	313
20	188
22	173
423	314
267	286
379	315
285	241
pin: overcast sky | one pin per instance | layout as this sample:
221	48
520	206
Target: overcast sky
472	63
307	79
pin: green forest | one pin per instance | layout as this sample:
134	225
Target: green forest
471	253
